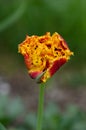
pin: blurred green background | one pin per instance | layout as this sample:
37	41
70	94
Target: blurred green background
29	17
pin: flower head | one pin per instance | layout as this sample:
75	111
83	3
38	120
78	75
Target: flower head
44	55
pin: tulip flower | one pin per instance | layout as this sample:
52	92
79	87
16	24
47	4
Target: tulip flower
44	55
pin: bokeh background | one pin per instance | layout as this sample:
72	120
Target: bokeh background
65	94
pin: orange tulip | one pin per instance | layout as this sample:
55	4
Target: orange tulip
44	55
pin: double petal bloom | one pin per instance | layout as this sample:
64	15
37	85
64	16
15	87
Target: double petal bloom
44	55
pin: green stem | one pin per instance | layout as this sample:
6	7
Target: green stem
40	107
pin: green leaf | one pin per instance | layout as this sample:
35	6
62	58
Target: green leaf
2	127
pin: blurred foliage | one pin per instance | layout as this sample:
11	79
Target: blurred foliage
68	17
72	78
2	127
72	118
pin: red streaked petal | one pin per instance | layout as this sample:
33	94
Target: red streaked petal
27	60
34	74
56	65
63	43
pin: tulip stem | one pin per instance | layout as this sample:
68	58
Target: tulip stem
40	107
